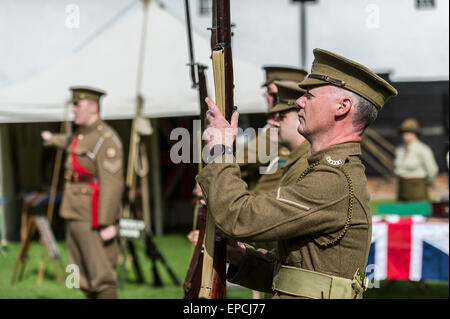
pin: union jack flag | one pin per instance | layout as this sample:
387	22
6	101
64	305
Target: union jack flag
409	248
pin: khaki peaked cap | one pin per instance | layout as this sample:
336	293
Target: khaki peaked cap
288	93
330	68
283	73
85	92
409	125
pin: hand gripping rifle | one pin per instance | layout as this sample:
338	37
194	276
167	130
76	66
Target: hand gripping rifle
197	71
213	284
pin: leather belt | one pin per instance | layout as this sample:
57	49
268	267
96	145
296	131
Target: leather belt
76	178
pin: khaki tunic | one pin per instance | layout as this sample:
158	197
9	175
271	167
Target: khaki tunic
289	169
292	167
99	151
251	164
300	217
269	181
296	164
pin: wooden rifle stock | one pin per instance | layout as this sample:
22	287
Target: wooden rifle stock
206	276
193	278
214	259
194	274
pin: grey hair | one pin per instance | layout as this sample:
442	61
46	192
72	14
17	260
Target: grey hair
365	111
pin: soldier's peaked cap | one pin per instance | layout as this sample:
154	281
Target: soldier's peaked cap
330	68
283	73
85	92
288	93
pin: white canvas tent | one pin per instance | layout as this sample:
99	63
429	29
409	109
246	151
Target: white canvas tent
110	62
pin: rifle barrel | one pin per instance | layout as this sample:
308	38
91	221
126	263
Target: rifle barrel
190	44
223	34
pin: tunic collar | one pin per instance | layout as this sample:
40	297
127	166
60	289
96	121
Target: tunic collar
336	152
87	129
297	153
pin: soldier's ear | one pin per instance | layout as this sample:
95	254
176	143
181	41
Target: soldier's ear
94	106
345	104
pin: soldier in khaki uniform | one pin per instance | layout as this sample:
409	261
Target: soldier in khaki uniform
92	194
285	119
272	175
322	222
281	92
263	183
414	164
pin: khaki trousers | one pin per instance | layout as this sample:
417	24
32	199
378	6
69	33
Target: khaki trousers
96	259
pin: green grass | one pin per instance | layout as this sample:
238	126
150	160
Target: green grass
174	247
408	290
176	250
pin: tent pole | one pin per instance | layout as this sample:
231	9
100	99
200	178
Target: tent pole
154	146
7	196
3	199
156	178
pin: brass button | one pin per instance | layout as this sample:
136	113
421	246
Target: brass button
100	127
80	137
83	190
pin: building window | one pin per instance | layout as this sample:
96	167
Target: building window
425	4
204	7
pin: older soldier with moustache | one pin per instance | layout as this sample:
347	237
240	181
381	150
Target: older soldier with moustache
92	194
322	222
